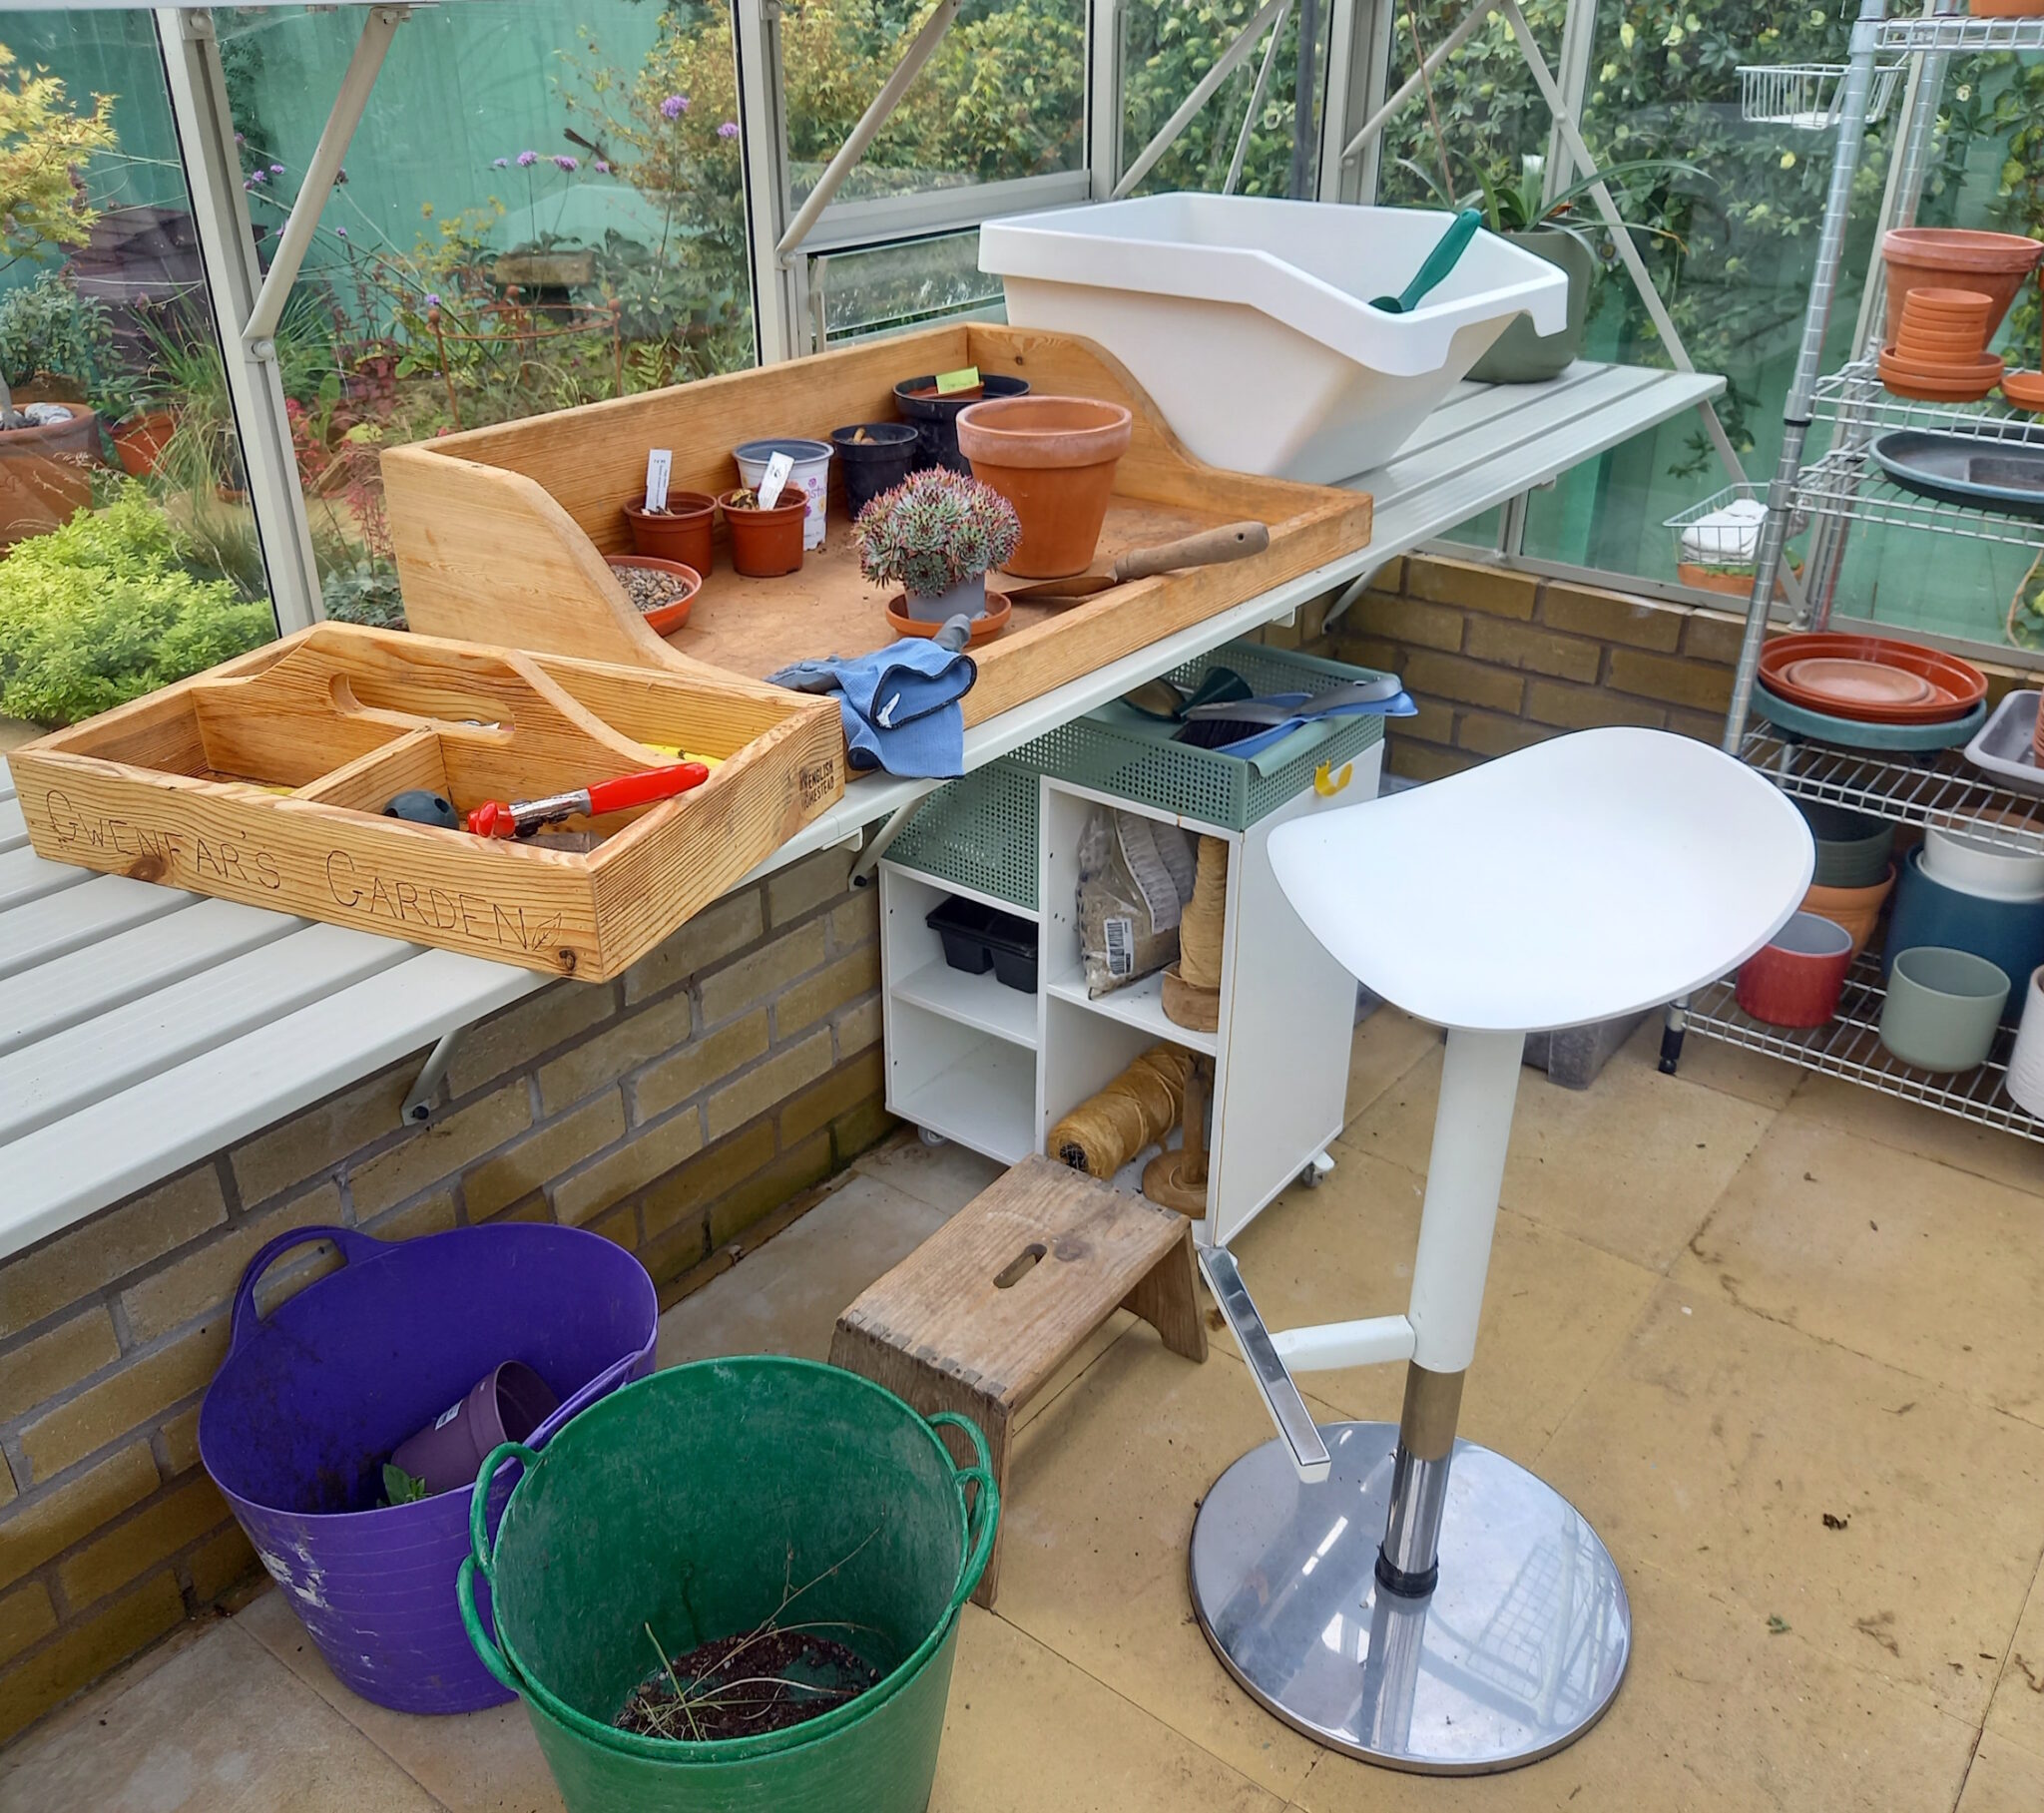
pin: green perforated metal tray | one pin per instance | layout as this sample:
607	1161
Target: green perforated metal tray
1110	752
981	832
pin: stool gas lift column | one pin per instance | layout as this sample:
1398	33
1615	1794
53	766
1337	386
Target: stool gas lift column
1398	1593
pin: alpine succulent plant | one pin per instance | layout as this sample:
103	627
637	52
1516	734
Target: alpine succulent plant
933	531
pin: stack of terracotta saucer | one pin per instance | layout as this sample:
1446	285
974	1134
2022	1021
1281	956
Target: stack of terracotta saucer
1940	352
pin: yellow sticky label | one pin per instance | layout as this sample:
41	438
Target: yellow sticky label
967	378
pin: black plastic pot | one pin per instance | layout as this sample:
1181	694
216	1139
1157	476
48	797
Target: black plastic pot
979	938
878	463
936	417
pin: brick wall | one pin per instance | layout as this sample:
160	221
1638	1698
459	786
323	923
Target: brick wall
1496	660
669	1110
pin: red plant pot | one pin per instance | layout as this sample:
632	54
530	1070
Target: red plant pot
681	532
764	544
139	442
1796	981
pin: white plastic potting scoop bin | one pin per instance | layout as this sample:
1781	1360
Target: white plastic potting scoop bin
1391	1590
1248	320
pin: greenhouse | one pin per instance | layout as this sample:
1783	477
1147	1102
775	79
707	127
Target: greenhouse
1041	905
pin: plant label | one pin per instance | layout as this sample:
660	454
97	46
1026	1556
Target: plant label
776	476
965	378
659	464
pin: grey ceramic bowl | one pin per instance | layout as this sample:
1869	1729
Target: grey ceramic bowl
1942	1008
1852	850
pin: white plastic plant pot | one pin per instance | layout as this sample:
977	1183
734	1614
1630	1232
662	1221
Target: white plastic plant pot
1249	320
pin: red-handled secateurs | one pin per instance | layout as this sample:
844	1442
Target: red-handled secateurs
522	817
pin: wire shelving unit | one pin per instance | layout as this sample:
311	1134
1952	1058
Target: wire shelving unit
1844	486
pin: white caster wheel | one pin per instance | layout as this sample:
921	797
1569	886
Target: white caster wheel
932	1138
1316	1173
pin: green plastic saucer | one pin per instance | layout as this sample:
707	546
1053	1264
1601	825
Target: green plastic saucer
1850	733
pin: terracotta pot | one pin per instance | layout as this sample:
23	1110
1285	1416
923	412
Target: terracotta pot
1053	458
679	533
2005	9
1856	909
764	544
1952	258
139	441
46	475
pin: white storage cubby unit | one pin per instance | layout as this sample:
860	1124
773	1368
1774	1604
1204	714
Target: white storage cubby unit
995	1068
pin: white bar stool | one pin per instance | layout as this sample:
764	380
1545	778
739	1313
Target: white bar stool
1391	1592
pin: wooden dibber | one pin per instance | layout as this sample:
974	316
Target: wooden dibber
983	1313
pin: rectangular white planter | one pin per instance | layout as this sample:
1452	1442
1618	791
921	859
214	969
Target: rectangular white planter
1247	320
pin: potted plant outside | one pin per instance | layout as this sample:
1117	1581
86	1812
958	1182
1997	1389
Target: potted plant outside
680	532
935	534
1559	230
764	544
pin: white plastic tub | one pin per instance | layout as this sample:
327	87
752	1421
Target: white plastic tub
1247	320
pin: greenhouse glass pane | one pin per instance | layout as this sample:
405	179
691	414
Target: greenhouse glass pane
1167	47
543	207
891	287
1003	96
131	556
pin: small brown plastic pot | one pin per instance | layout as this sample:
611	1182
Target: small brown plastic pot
681	532
1053	458
764	544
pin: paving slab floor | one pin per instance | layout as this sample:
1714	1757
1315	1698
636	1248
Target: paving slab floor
1777	1338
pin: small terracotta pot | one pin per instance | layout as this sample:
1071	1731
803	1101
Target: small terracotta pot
1053	458
1992	264
1856	909
139	442
679	533
764	544
2005	9
1795	980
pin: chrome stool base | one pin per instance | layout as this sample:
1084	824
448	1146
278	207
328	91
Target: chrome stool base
1516	1652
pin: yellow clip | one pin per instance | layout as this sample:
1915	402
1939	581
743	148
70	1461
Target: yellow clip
1328	784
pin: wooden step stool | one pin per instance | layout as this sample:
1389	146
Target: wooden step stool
983	1312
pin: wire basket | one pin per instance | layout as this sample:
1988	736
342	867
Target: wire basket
1806	97
1721	555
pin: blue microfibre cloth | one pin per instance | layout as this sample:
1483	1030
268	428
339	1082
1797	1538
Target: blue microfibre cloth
900	705
1399	705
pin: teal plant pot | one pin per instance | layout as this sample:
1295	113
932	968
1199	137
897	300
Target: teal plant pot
1522	357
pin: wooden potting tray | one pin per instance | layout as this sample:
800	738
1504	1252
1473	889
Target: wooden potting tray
501	532
264	781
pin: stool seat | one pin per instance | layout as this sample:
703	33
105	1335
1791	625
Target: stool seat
1577	880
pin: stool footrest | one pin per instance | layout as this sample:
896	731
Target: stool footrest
1273	1383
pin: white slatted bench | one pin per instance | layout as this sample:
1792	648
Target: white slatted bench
142	1028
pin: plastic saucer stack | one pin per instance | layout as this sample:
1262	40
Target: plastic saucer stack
1940	352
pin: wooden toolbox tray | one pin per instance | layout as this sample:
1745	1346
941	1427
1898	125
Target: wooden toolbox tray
501	532
186	787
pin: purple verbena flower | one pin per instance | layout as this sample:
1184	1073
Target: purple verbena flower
433	298
601	167
563	161
674	106
238	140
729	129
277	170
340	233
527	158
500	163
257	176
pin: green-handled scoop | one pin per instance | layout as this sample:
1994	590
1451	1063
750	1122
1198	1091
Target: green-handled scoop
1439	261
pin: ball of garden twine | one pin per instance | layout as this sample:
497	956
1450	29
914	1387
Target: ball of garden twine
1136	1109
1205	917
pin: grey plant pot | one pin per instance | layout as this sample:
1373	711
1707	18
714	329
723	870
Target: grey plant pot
966	599
1521	356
